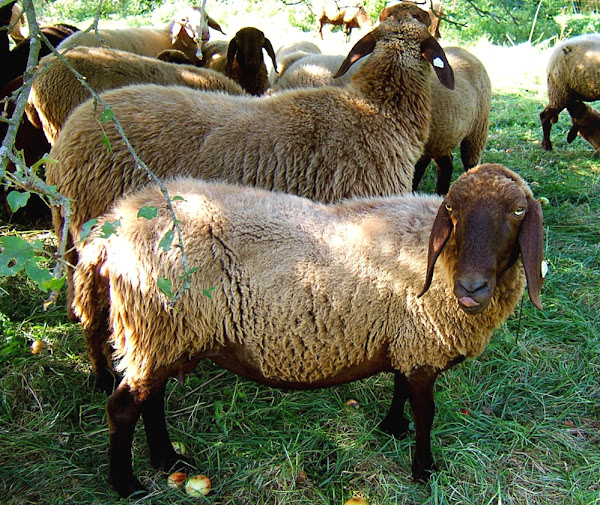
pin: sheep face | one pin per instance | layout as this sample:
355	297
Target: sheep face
246	48
188	25
488	235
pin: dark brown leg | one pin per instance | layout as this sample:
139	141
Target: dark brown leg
123	410
394	422
162	454
97	334
420	393
420	167
548	116
444	168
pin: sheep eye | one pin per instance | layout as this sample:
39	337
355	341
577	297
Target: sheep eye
448	207
519	211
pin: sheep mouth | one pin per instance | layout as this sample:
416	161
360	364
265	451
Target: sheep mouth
471	306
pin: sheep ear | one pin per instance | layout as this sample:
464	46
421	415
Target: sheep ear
214	25
269	48
434	54
531	243
231	52
440	233
572	135
176	28
363	47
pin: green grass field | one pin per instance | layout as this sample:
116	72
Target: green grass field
518	425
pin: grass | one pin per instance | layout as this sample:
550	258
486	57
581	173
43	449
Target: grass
518	425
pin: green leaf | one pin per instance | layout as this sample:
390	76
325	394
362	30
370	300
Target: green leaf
106	142
167	240
166	286
178	199
16	199
107	115
42	276
207	292
109	228
148	212
15	254
86	229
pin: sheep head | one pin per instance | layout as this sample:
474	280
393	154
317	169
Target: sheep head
407	22
494	217
246	48
188	25
586	122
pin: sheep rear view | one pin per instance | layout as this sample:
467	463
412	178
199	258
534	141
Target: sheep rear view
324	143
573	74
307	295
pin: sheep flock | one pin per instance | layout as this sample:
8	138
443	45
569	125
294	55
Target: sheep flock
286	174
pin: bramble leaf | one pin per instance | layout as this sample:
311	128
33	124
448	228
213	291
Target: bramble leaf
15	254
109	228
106	142
86	229
148	212
16	199
166	286
41	276
107	115
207	292
167	240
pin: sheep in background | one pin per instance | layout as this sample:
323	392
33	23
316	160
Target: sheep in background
459	117
213	51
323	143
347	16
56	91
586	123
183	33
307	295
288	54
5	17
573	74
244	62
435	12
315	70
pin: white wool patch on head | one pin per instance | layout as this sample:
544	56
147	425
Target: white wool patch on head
438	62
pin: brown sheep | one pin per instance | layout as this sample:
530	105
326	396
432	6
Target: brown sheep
573	74
56	92
244	61
586	122
307	295
337	13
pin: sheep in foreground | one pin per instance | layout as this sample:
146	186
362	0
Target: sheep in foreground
315	70
56	91
18	30
458	117
244	62
348	17
186	33
307	295
323	143
573	74
288	54
586	122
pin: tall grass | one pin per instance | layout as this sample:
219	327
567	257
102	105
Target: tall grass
518	425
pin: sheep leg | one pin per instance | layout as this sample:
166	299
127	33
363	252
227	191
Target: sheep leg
420	167
162	454
420	393
548	116
123	411
394	422
444	169
97	336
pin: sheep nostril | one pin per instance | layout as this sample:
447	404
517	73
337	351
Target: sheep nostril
473	287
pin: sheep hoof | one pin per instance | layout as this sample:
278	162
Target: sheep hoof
128	487
421	472
547	145
391	426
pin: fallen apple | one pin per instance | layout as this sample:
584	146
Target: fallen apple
177	480
197	485
179	447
